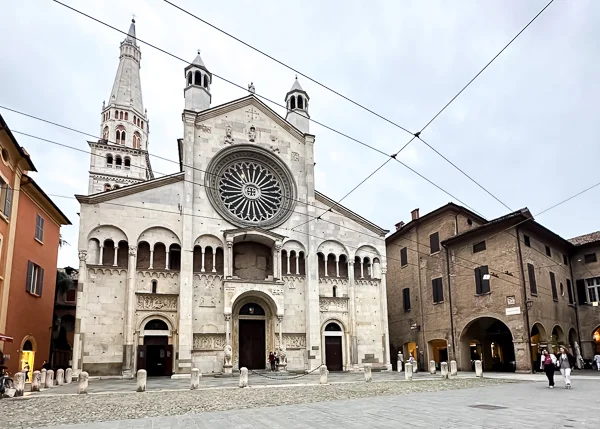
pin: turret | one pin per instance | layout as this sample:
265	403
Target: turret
296	101
197	90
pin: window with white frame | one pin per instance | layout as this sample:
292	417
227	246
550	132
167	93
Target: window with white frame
6	194
35	279
39	228
593	287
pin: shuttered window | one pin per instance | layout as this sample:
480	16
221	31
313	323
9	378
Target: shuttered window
404	257
438	290
434	242
482	281
532	282
570	291
406	298
6	195
35	279
479	247
39	228
553	283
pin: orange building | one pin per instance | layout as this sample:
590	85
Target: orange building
29	237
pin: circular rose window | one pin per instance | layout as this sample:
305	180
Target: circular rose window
249	186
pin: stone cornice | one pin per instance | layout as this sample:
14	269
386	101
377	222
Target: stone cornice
130	190
117	148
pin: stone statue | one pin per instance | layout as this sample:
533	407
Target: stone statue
578	357
282	358
228	136
228	355
251	88
252	134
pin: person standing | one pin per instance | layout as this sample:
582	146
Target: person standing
565	367
597	360
548	365
272	361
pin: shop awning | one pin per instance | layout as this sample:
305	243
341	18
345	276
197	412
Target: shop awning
6	338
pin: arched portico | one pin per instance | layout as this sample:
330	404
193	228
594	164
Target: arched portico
334	345
539	342
155	345
487	339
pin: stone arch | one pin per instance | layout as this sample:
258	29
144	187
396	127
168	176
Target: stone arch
31	340
108	232
300	102
558	336
148	318
189	78
243	297
490	340
334	344
208	329
292	102
437	350
332	246
367	250
334	319
572	339
197	78
539	341
158	234
208	240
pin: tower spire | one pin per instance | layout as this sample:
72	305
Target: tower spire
296	101
131	33
197	89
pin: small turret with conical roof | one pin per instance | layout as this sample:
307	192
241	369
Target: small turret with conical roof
296	101
197	89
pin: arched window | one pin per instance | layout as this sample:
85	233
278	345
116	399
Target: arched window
142	125
205	81
252	310
118	161
333	327
106	187
116	114
198	78
122	137
126	116
189	78
118	139
109	160
120	115
137	140
105	133
156	325
300	102
334	291
127	163
154	286
292	102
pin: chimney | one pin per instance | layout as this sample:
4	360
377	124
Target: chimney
399	225
415	214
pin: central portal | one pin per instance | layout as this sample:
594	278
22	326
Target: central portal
252	337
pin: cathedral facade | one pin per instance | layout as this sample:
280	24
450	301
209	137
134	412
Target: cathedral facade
233	257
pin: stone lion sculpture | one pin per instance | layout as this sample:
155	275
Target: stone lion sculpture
282	356
228	355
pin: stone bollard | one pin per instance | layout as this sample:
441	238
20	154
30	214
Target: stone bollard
83	382
408	371
49	379
195	380
68	376
478	369
36	381
400	362
453	369
142	375
19	383
43	374
60	377
368	374
444	369
244	377
431	367
323	375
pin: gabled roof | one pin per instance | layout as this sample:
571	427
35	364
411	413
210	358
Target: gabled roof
350	214
581	240
101	197
41	197
450	207
22	152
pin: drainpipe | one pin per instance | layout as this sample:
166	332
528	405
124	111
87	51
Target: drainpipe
575	303
524	290
450	300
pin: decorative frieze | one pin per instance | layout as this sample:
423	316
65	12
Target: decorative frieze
292	282
207	281
206	302
277	291
333	280
337	304
157	302
292	341
209	342
367	282
159	273
98	269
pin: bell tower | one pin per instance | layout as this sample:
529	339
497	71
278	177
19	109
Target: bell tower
296	101
121	158
197	89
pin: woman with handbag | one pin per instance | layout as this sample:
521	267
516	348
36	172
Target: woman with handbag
548	362
565	367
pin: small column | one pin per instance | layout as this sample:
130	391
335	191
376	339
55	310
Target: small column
116	254
151	259
83	382
81	283
478	369
453	368
60	377
167	259
297	264
280	318
68	375
214	269
444	369
36	381
288	263
19	381
408	371
43	377
141	380
195	379
277	261
323	374
368	374
326	257
229	272
49	379
362	269
337	266
244	377
227	329
400	361
101	254
431	367
202	270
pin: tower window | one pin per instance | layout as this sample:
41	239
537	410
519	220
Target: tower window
122	137
300	102
105	133
142	125
154	286
116	114
205	81
127	163
198	78
118	136
109	160
126	116
137	140
292	102
118	162
334	291
189	78
120	115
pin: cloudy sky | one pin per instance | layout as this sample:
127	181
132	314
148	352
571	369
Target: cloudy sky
527	129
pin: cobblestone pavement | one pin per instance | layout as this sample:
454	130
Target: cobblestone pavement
43	410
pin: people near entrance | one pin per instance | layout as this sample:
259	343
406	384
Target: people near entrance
46	365
597	360
26	371
272	361
549	366
564	363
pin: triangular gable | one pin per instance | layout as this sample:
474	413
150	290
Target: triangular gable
130	189
350	214
250	100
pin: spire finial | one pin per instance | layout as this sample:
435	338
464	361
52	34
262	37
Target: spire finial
198	51
133	18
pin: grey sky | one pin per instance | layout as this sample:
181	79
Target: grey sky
526	129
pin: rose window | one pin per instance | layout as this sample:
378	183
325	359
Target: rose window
250	186
250	191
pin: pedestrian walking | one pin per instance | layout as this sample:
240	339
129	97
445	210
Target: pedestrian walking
597	360
548	365
26	371
272	361
565	367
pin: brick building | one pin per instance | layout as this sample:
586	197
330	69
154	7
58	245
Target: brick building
461	287
29	236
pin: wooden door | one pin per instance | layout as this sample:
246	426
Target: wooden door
333	353
252	344
141	357
169	360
